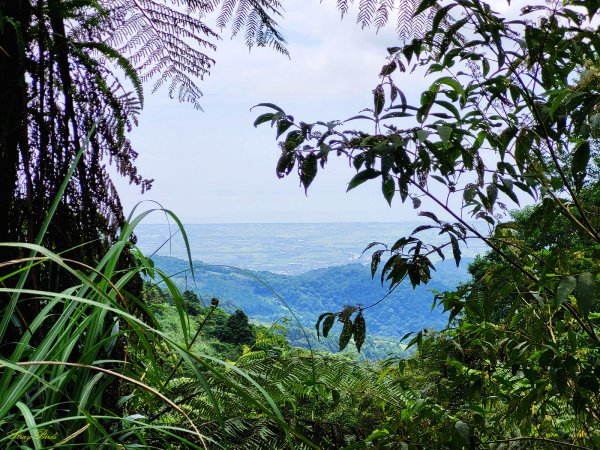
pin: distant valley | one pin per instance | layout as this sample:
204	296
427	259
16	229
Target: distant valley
262	295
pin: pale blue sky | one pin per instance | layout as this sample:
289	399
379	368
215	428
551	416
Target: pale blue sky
214	166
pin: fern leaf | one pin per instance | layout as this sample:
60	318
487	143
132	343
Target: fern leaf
366	10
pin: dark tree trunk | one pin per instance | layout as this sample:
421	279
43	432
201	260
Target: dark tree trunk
15	17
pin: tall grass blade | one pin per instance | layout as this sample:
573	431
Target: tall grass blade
31	425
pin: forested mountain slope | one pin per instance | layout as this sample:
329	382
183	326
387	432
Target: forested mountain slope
317	291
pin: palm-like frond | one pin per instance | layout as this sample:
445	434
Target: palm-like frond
377	14
163	43
173	45
319	407
256	18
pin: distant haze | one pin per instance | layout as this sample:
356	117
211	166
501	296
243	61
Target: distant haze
289	248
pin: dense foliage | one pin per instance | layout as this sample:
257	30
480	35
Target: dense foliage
71	89
512	110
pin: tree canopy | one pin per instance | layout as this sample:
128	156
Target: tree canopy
76	69
510	111
236	330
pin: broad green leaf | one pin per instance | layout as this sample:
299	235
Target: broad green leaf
360	116
370	246
455	249
422	228
445	132
328	323
431	215
565	287
286	163
485	66
454	84
469	193
376	434
440	16
422	135
321	317
581	158
308	170
507	188
450	107
282	126
388	188
266	117
440	179
586	293
346	334
505	137
393	115
375	260
387	69
293	140
359	330
269	105
427	100
523	147
378	100
361	177
401	243
492	193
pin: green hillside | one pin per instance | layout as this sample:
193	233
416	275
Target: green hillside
262	295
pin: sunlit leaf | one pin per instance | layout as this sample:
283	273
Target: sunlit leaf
586	293
565	287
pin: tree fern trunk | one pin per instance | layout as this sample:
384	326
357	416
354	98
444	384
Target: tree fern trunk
15	16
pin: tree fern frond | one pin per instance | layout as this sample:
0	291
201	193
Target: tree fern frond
366	10
287	379
377	13
240	17
157	39
383	12
227	9
406	12
342	5
268	34
255	16
252	28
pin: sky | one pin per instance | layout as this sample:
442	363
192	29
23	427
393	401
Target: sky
216	167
